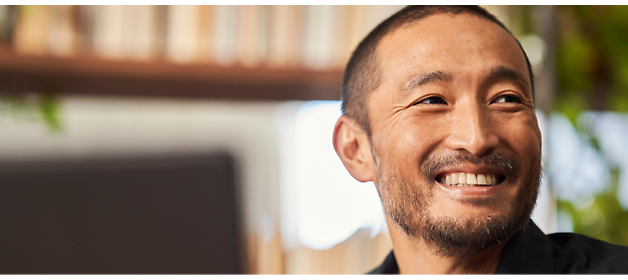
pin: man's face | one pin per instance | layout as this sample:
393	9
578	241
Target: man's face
455	99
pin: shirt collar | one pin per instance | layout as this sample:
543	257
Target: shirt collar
529	251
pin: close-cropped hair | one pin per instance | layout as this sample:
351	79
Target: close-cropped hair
363	74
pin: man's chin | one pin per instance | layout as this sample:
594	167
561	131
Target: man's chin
466	235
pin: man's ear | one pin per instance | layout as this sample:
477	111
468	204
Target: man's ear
354	149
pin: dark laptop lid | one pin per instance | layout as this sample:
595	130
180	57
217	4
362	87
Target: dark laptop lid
148	216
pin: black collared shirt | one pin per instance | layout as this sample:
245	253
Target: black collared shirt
530	251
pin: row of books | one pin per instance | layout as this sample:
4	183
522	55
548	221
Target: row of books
315	37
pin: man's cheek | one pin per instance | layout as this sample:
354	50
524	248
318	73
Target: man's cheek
522	135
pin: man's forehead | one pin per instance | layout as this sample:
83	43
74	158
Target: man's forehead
439	40
442	25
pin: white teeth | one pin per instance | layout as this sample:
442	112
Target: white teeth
462	178
471	180
468	179
481	179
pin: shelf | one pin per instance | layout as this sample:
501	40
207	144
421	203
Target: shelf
95	76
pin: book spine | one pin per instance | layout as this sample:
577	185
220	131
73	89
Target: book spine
160	31
320	23
108	28
226	22
354	31
263	29
85	28
286	24
62	31
339	37
252	34
183	28
139	32
30	30
206	34
6	24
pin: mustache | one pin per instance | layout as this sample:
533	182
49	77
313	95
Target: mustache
433	164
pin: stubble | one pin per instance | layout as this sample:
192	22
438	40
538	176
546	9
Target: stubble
407	204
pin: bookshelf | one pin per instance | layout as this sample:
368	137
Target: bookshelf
92	75
219	52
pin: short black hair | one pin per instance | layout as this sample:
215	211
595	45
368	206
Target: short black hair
363	75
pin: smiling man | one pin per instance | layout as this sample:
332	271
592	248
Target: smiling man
438	107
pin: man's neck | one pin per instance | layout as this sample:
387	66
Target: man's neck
415	257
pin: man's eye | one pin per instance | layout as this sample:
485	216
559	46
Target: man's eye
431	100
507	99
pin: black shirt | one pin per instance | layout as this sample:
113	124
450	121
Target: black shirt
530	251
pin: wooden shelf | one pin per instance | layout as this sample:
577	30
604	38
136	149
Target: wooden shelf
88	75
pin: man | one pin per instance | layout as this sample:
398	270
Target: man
439	114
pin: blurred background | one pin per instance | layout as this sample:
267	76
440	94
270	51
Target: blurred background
197	139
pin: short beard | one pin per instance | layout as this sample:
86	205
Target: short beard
407	205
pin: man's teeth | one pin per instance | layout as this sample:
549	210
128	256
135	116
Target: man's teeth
469	179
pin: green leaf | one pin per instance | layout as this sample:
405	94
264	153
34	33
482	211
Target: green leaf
49	108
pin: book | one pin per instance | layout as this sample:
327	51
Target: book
182	35
284	41
339	38
31	30
85	28
252	38
62	33
226	27
319	36
161	31
206	34
7	20
356	30
139	32
108	28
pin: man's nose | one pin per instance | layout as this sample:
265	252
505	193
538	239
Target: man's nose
472	130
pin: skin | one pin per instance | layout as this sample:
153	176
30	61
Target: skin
468	112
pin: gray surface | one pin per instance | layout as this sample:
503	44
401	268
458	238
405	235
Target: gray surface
152	215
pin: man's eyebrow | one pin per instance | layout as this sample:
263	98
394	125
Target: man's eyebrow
503	72
425	78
